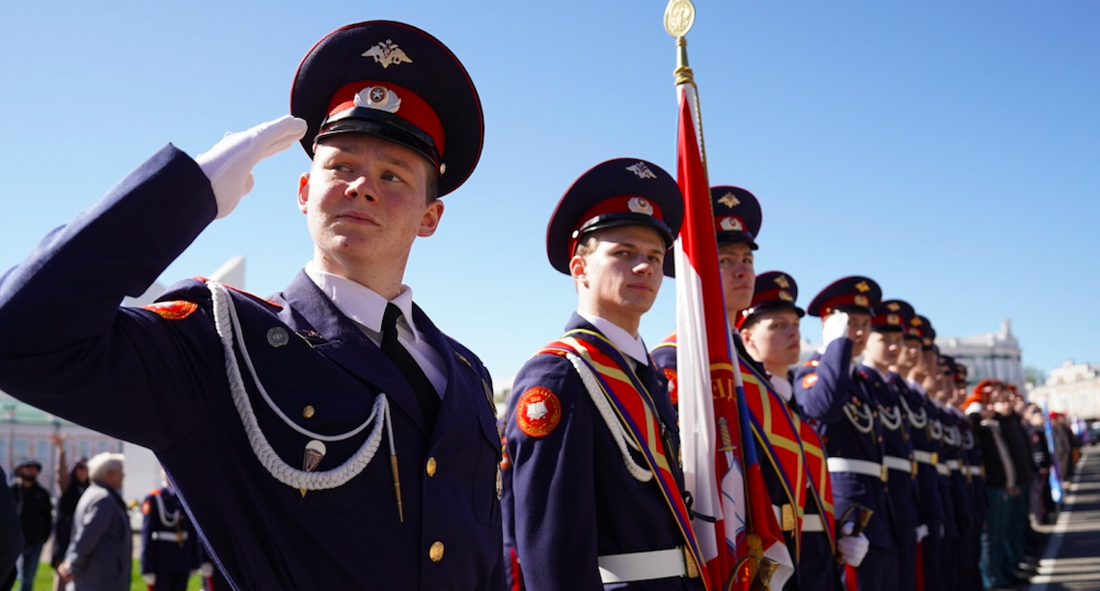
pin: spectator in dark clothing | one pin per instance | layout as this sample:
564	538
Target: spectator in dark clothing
72	481
1019	446
11	536
35	509
1041	501
1000	485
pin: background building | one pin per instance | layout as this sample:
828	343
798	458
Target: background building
1073	389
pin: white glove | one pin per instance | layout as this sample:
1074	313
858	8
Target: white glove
150	579
852	548
922	532
229	163
207	569
834	327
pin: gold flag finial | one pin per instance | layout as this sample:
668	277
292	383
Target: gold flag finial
679	16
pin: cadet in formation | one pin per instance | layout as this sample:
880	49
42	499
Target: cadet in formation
269	414
831	390
597	488
169	546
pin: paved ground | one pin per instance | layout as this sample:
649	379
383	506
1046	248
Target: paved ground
1071	561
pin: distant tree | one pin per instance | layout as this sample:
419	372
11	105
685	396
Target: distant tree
1034	376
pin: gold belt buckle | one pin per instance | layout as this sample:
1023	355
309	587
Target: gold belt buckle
935	458
787	513
885	471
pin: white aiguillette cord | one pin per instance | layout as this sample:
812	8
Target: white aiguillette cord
226	322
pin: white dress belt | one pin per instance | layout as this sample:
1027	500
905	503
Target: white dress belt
900	464
642	566
857	466
925	457
952	464
169	536
975	470
812	522
943	469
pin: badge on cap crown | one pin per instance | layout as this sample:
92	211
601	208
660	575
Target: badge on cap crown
641	170
387	53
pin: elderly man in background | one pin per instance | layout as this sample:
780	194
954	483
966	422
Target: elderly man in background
99	555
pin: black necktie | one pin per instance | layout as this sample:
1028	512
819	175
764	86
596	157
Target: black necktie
425	391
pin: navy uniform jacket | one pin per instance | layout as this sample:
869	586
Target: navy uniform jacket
960	493
168	542
824	387
947	452
66	347
919	411
902	488
972	451
574	498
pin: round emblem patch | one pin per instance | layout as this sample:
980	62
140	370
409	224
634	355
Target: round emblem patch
809	380
538	412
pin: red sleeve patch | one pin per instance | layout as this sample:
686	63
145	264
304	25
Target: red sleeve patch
146	507
809	380
672	392
538	412
177	310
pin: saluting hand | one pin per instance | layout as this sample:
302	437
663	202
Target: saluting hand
229	163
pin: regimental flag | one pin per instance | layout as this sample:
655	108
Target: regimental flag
730	503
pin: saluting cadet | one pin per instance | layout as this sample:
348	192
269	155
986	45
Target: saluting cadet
954	558
970	468
907	377
596	482
884	345
330	437
832	391
769	329
778	429
169	550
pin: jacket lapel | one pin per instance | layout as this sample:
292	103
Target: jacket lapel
313	316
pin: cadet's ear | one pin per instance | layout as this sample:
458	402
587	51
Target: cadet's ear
303	191
577	268
430	222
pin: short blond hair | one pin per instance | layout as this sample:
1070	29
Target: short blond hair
102	464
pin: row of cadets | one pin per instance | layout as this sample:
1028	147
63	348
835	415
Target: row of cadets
596	485
908	377
793	460
969	472
884	345
833	392
960	556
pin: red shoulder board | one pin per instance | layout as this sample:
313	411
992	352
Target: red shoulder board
241	291
810	363
177	310
538	412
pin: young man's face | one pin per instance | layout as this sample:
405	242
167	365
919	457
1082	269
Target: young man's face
859	329
735	262
366	201
619	276
910	354
883	348
774	337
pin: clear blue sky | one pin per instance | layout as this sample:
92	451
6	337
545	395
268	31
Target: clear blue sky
949	150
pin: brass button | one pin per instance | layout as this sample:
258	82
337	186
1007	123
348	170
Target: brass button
431	469
308	411
436	552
